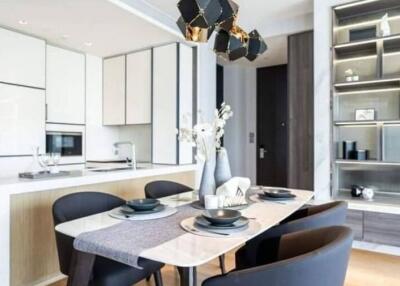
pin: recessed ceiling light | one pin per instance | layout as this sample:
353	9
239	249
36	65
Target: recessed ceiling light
23	22
88	44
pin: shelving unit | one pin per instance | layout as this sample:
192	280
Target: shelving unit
375	59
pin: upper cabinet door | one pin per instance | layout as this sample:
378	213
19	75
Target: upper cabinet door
22	59
185	100
138	88
65	91
22	120
165	104
114	91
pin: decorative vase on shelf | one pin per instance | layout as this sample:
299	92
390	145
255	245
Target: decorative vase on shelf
207	184
222	168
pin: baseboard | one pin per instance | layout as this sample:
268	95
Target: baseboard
375	247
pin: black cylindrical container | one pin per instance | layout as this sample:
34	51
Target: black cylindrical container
348	148
360	155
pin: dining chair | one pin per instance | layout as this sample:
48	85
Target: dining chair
255	251
306	258
105	272
161	189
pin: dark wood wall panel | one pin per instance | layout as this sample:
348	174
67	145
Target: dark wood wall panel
301	111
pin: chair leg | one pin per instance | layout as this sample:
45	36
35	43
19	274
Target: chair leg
222	263
158	278
148	278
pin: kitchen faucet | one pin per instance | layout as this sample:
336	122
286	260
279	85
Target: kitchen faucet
133	149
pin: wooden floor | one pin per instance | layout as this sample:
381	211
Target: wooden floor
365	269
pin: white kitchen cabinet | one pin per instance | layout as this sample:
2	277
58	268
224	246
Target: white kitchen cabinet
22	59
172	100
22	120
138	88
65	88
114	111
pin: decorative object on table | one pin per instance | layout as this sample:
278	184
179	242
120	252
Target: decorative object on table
368	194
361	155
348	148
348	74
211	202
55	160
384	26
356	191
364	33
199	18
207	139
222	168
365	114
234	191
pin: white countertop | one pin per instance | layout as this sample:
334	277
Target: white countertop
15	185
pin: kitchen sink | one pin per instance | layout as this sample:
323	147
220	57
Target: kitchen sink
105	170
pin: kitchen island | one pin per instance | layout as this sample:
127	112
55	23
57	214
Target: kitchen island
27	244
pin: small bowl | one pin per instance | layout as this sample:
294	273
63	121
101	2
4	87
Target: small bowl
221	217
143	204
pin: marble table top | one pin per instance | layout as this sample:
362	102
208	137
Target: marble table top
190	250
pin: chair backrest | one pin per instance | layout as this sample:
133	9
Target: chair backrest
307	258
161	189
74	206
330	214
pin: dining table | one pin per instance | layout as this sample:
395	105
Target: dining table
188	250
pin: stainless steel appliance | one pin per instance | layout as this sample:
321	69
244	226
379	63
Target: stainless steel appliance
64	143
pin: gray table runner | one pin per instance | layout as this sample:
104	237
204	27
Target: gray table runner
125	241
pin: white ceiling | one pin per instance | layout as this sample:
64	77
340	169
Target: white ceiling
252	13
110	29
269	17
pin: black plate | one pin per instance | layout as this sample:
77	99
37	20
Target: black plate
143	204
278	193
128	211
221	216
240	223
268	198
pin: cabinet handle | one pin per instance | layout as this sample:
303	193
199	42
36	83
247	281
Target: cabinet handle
45	111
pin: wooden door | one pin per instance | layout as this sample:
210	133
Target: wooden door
301	111
271	126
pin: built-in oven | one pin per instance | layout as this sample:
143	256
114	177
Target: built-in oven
64	143
68	141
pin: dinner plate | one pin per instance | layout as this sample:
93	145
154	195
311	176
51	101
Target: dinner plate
202	222
269	198
278	193
129	211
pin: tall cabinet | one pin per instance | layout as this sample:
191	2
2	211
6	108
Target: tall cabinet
172	103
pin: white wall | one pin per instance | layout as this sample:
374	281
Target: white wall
240	93
322	79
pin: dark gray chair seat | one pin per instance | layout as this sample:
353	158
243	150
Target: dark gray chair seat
308	258
162	189
105	272
264	248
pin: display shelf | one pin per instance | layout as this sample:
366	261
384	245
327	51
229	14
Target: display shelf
360	123
380	198
367	162
383	83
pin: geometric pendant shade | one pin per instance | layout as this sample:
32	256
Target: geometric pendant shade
199	19
229	15
231	45
256	45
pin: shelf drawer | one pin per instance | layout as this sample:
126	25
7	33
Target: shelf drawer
354	220
382	228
